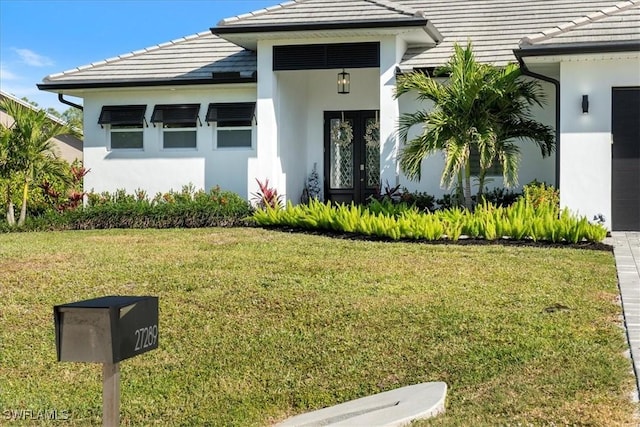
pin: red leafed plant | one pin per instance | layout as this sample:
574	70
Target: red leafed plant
266	196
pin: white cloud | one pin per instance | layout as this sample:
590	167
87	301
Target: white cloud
29	57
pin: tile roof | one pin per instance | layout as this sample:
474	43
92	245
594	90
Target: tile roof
318	11
189	58
618	23
496	28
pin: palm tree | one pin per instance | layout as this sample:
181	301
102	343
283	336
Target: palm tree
7	168
511	110
29	151
481	107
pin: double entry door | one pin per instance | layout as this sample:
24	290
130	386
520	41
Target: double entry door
351	155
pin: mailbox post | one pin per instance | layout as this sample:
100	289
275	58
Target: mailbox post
107	330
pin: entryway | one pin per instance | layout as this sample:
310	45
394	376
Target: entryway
351	155
625	159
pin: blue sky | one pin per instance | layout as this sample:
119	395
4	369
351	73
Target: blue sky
42	37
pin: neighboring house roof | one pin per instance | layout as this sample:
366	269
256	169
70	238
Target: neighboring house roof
616	24
68	146
31	107
496	28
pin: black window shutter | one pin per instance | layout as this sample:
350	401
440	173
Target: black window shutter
326	56
299	57
231	113
122	115
353	55
176	114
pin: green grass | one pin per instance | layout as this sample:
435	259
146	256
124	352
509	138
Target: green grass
258	325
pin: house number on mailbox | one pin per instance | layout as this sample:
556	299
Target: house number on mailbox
146	337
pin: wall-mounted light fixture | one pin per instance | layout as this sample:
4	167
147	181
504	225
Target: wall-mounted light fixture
344	82
585	104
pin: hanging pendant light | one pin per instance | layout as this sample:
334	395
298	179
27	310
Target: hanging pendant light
344	82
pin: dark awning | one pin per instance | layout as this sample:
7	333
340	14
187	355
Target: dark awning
175	114
122	115
231	113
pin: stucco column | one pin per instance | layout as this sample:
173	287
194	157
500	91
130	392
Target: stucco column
389	112
266	165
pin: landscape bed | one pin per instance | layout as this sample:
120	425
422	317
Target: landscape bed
257	325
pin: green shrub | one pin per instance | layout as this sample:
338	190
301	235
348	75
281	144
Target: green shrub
423	201
538	194
187	208
498	196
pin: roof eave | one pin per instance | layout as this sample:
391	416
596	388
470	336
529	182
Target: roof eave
527	50
95	84
315	26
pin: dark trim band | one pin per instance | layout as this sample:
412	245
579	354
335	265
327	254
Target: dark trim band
336	25
576	48
146	83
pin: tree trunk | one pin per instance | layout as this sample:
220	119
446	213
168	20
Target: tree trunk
468	203
11	218
481	179
23	208
459	191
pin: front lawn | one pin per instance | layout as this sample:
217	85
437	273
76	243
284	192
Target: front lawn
258	325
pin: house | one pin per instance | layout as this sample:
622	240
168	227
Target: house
67	147
266	95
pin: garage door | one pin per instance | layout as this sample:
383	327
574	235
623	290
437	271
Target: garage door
625	158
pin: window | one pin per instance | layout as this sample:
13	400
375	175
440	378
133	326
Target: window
234	123
474	161
179	123
126	124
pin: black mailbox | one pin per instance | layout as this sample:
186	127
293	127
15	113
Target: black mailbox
107	329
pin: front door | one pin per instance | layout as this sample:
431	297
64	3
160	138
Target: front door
625	159
351	155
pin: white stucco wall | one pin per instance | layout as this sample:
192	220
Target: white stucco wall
585	139
287	139
155	169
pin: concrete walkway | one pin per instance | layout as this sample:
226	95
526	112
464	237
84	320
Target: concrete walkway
626	248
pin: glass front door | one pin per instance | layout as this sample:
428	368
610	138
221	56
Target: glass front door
352	155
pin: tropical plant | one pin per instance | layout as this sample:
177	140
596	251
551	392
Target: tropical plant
266	195
29	152
480	107
520	221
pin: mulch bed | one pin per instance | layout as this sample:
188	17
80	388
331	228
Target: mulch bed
463	241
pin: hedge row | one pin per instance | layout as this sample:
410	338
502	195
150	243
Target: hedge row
184	209
520	221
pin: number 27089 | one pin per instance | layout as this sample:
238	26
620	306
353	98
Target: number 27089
146	337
